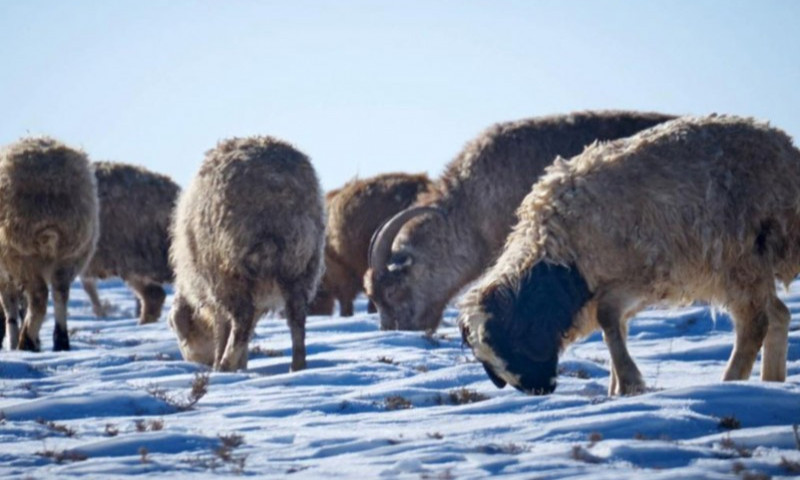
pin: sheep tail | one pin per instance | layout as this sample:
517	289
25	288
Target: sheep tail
46	239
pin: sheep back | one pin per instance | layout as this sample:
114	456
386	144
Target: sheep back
254	211
50	212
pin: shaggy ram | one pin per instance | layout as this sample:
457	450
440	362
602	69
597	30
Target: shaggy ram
248	238
701	208
424	255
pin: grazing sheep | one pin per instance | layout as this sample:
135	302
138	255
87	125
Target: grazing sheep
423	256
695	209
135	210
248	237
48	227
354	213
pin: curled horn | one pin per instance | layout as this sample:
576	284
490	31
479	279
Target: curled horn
381	243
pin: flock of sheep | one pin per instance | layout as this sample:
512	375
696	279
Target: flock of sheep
565	224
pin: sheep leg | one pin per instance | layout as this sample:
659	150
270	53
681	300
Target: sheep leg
371	308
240	321
613	381
751	328
151	297
90	287
296	305
625	377
776	343
3	330
61	282
36	293
346	308
10	300
222	332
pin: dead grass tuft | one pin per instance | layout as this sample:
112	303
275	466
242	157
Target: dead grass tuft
397	402
198	391
57	427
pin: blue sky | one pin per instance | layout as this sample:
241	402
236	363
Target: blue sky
365	87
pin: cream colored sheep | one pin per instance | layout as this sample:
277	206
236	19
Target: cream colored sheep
695	209
48	227
248	236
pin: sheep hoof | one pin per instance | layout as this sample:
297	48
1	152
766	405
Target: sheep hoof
28	344
146	320
631	389
60	340
297	366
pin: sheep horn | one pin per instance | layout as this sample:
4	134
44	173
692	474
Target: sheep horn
381	243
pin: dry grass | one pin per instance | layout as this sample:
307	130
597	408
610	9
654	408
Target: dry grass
148	425
223	455
111	430
506	448
460	396
397	402
62	455
728	444
198	391
57	427
729	422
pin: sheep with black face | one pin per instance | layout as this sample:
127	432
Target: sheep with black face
701	208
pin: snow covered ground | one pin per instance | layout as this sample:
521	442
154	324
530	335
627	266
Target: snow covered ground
388	404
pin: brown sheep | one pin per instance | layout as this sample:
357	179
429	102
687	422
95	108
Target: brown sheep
248	238
135	210
48	227
355	211
695	209
423	256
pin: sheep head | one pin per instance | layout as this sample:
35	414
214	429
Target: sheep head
407	279
516	326
195	336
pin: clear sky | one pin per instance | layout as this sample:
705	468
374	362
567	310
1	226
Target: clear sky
365	87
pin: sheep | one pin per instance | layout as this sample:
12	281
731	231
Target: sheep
697	209
248	237
48	228
424	255
355	211
135	210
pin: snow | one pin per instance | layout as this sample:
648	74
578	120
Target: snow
376	404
